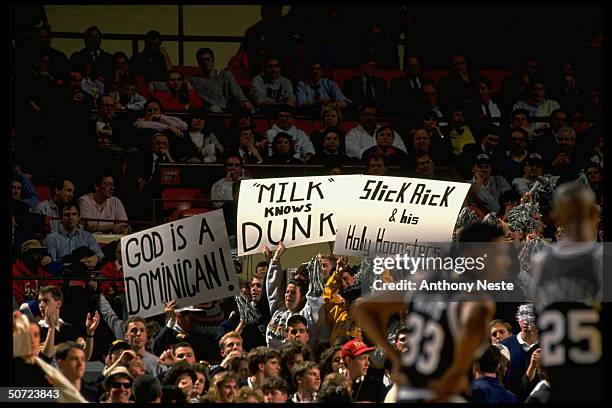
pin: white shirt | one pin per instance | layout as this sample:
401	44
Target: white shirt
302	143
358	140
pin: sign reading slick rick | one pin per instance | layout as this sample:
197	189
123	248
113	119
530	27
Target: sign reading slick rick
188	260
295	210
397	215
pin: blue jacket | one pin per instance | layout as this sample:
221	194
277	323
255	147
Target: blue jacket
489	390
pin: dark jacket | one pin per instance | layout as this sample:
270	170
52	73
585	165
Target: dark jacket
354	90
489	390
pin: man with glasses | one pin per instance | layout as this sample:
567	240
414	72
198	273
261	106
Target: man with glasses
153	62
218	90
101	204
102	62
424	166
118	385
222	190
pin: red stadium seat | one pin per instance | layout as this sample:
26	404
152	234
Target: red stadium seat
306	125
496	76
182	198
187	71
43	192
341	74
188	212
142	87
348	125
435	74
262	126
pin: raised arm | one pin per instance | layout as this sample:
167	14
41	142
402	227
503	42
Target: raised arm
275	279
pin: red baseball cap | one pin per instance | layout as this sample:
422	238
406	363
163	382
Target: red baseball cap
354	348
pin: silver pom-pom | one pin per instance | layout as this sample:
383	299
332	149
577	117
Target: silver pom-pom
491	219
466	217
526	314
248	312
542	193
522	217
315	277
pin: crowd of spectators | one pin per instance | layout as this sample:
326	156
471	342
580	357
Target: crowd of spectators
80	124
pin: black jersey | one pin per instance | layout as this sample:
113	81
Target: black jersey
434	328
567	290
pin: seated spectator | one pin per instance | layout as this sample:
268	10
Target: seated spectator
483	110
532	169
155	121
27	193
303	148
222	189
594	175
537	105
202	145
460	134
366	88
331	116
270	89
520	119
490	146
516	87
179	96
69	241
74	91
283	151
516	153
110	131
316	92
91	84
247	148
564	160
429	103
424	166
547	140
384	147
486	187
118	386
62	190
486	387
459	86
58	62
276	390
102	205
331	152
564	87
406	91
32	261
597	157
441	144
120	69
362	137
100	60
218	90
20	208
377	165
126	98
153	62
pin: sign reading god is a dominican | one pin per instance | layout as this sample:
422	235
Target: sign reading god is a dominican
188	260
295	210
397	215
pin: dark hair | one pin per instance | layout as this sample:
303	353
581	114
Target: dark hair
172	394
508	196
120	54
485	81
275	383
367	57
377	156
152	35
101	175
557	111
92	29
127	80
490	129
480	232
146	388
261	264
177	371
203	51
259	355
383	127
332	394
58	183
72	203
134	319
150	101
326	359
490	359
367	106
54	291
521	130
175	71
402	329
61	352
181	344
300	370
520	112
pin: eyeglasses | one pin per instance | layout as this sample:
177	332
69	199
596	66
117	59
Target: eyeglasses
124	385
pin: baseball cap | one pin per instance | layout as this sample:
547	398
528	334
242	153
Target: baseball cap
31	244
355	348
297	318
482	159
118	370
118	345
534	158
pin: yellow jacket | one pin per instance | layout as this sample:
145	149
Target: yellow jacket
337	310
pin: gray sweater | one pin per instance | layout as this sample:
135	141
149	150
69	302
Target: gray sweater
218	90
